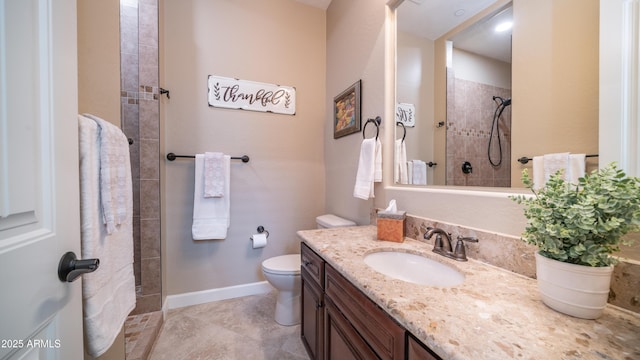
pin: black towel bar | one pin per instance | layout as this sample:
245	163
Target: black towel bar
171	156
523	160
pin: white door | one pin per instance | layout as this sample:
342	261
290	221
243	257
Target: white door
40	316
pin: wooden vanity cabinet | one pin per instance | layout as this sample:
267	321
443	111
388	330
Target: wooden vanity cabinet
339	322
312	302
417	351
342	341
370	323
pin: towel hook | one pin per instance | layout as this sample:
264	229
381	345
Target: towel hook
165	91
377	121
403	128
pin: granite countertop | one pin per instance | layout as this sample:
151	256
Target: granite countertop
493	314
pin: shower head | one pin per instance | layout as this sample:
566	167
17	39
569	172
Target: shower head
503	102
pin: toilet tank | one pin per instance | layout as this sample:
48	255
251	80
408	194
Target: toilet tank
331	221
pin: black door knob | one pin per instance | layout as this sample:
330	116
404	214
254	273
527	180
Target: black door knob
70	268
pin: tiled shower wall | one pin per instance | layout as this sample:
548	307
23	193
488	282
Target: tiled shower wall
141	123
470	111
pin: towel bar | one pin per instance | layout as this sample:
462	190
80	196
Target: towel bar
523	160
171	156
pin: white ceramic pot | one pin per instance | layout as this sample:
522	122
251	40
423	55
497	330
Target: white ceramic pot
576	290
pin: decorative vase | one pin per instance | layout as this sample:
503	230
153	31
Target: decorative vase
576	290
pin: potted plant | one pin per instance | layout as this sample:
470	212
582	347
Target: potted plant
577	228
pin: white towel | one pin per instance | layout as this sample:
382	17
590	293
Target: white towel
114	154
109	292
410	172
211	216
400	162
214	178
577	165
554	163
419	172
363	188
538	172
377	169
572	165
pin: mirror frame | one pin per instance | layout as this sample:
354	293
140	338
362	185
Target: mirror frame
490	208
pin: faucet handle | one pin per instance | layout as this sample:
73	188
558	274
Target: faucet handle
467	238
437	244
460	253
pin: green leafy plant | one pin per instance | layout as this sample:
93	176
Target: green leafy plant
582	223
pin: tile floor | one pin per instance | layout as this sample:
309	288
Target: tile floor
241	328
140	332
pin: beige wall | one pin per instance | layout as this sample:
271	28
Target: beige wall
556	58
99	59
481	69
414	84
282	187
355	50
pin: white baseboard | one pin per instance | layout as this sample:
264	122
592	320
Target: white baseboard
205	296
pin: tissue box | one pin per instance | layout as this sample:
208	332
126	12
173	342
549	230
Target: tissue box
391	225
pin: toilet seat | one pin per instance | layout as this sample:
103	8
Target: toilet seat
283	265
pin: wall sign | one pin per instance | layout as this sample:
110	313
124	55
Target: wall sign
406	114
249	95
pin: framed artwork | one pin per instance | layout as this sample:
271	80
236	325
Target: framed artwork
346	111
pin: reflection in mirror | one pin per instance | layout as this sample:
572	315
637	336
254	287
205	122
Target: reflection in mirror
456	71
479	102
477	126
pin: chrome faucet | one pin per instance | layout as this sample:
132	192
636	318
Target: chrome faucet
444	248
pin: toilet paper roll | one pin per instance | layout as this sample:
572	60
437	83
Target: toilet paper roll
259	240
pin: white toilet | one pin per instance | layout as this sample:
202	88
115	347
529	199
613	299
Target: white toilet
283	273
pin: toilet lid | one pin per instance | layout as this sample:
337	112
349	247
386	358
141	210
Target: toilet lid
284	264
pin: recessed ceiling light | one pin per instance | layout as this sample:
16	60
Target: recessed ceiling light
459	12
507	25
419	2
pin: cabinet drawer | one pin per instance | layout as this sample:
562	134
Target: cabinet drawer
380	331
313	264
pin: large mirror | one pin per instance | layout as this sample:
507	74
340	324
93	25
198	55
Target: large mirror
471	100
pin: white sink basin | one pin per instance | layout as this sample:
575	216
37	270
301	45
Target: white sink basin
413	268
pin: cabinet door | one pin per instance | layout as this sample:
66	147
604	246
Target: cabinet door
311	329
417	351
380	331
342	341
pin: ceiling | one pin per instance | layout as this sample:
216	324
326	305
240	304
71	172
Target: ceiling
322	4
433	18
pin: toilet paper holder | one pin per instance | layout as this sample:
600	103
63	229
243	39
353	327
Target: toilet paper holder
261	230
